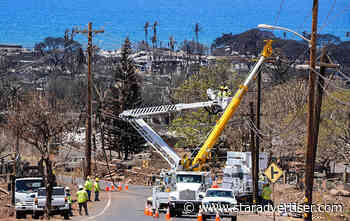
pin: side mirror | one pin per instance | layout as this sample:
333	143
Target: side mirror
200	196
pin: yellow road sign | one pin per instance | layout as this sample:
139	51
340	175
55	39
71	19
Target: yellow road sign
273	172
145	163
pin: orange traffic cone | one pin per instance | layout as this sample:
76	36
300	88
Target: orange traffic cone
107	188
167	215
217	218
156	215
120	187
200	217
113	188
126	186
150	212
146	210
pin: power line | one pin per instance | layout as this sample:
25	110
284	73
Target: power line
279	12
329	13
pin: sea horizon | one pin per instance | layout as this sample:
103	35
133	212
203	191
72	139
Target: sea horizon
28	22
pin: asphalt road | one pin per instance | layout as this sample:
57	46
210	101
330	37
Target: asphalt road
129	206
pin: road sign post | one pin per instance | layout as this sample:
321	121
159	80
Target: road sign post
273	173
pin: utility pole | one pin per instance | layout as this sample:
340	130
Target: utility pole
89	92
253	152
311	135
257	140
319	93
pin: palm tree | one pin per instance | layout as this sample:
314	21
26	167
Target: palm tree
146	32
197	29
154	38
172	43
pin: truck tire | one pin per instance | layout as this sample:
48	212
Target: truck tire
66	214
171	212
35	215
234	218
19	215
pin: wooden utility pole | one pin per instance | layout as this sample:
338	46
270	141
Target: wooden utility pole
87	171
257	141
311	135
253	151
319	94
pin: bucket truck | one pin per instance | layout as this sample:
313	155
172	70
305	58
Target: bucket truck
186	177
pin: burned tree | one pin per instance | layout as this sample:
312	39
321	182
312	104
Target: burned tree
38	125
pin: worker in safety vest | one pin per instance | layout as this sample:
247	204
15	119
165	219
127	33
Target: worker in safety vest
82	198
266	194
69	198
97	188
224	92
88	187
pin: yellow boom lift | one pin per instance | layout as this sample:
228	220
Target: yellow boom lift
196	162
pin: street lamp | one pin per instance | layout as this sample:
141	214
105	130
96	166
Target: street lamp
272	27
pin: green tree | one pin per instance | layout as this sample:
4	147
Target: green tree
195	125
125	94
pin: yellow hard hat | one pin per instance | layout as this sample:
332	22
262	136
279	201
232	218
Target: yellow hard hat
88	177
97	179
222	87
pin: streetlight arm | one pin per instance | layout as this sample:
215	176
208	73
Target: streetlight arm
283	29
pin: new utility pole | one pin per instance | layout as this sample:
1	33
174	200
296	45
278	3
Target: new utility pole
256	158
253	148
311	135
87	171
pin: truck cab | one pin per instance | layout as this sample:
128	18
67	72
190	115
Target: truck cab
25	190
190	188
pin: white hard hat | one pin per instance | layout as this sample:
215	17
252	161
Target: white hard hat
67	188
80	187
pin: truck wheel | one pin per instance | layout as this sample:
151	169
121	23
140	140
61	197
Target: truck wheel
171	212
234	218
66	215
19	215
35	215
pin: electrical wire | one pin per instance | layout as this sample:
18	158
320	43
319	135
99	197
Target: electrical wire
329	13
279	12
347	7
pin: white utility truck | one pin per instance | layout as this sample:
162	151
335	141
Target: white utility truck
59	203
25	190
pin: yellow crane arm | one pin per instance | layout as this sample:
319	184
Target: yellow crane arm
201	156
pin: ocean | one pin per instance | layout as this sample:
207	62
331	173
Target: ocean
27	22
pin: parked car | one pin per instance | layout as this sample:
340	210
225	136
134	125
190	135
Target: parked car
219	197
59	203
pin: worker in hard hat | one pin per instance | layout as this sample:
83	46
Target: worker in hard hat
69	198
224	91
97	188
221	91
82	197
88	187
